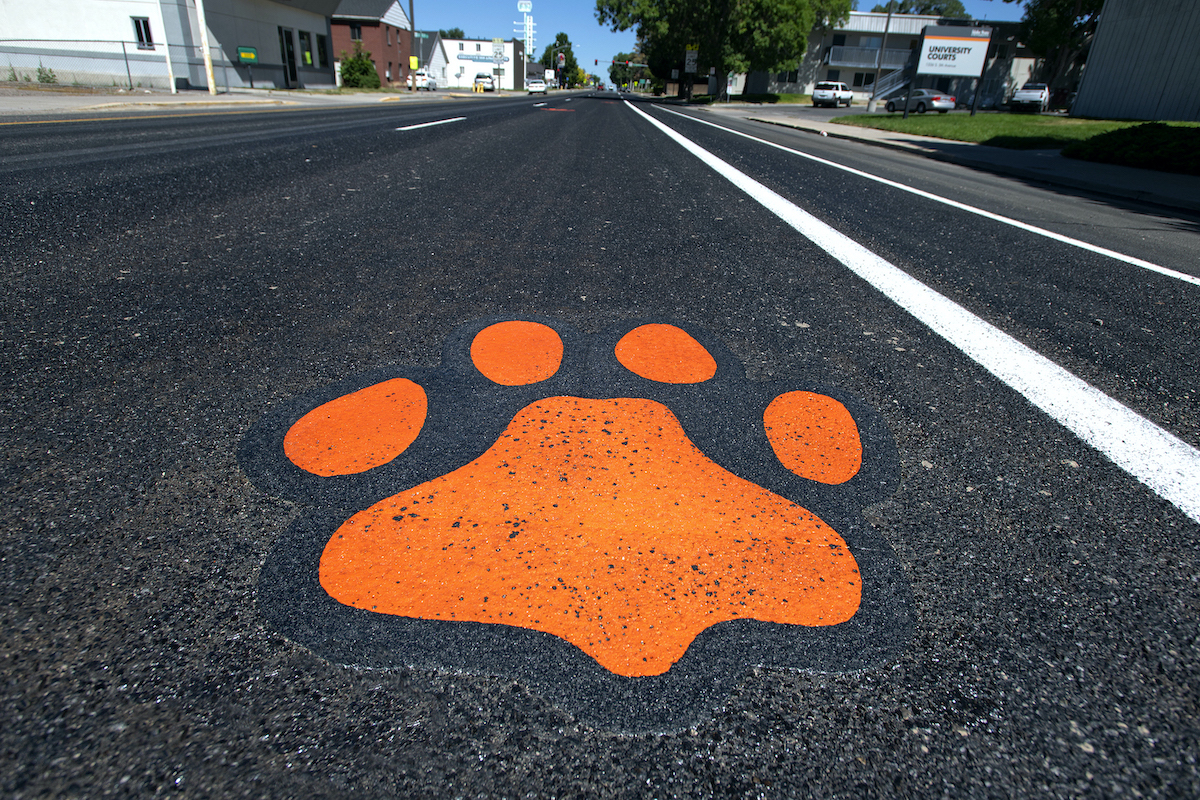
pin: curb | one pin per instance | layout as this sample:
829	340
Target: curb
1104	189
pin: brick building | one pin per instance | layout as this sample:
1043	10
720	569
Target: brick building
384	30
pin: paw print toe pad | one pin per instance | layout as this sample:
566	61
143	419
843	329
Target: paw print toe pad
814	436
358	431
517	353
666	354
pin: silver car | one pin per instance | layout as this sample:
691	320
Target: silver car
922	100
535	86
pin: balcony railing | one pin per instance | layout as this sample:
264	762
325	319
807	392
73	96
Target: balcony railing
864	57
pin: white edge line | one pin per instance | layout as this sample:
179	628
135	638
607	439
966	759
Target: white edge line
1162	461
1133	260
428	124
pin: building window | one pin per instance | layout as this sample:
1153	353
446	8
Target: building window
873	42
460	45
322	51
389	72
306	48
356	31
839	40
388	28
477	48
141	29
863	79
833	75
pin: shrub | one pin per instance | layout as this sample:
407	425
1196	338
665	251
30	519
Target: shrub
45	74
358	70
1167	148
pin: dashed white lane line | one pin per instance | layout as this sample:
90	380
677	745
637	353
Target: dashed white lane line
430	124
1025	226
1157	458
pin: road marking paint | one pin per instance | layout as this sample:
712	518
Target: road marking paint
539	105
1162	461
1132	260
429	124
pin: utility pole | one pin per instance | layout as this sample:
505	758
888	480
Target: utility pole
208	70
412	47
887	26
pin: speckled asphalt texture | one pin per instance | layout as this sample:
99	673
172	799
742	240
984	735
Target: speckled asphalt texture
171	281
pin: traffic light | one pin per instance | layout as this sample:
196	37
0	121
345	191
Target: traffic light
597	62
627	63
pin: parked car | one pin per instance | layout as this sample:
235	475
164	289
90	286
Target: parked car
922	100
985	103
832	94
1031	97
424	80
485	82
535	86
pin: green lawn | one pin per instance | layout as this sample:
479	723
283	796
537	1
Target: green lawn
1167	147
1016	131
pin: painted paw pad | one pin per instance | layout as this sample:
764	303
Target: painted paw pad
624	523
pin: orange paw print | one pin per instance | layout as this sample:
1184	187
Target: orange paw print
603	519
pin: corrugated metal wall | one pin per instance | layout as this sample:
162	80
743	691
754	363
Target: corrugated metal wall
1144	63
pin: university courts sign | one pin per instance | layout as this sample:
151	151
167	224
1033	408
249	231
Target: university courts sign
955	51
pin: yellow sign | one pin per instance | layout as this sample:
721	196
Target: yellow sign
412	62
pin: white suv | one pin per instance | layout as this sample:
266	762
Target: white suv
832	94
485	82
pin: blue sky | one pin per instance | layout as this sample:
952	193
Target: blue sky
485	19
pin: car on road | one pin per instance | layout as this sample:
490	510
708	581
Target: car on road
535	86
922	100
424	80
832	94
1031	97
485	82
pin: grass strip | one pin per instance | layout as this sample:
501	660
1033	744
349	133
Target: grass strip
1154	145
1014	131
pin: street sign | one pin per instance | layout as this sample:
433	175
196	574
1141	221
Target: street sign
247	55
525	6
692	56
413	63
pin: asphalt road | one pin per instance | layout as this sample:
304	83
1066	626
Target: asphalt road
179	289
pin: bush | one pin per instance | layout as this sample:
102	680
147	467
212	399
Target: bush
358	70
45	74
1155	145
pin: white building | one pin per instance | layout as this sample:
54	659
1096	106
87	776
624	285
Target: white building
1143	62
458	61
849	53
152	43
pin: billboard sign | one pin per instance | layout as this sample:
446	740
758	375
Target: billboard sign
948	50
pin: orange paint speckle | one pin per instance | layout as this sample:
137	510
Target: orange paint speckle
666	354
517	353
358	431
814	436
600	522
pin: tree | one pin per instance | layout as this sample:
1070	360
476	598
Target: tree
358	70
1060	33
732	35
549	58
452	33
620	74
950	9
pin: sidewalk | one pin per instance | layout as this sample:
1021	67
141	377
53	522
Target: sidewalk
34	101
1046	166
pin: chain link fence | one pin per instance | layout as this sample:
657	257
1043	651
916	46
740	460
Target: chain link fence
105	64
